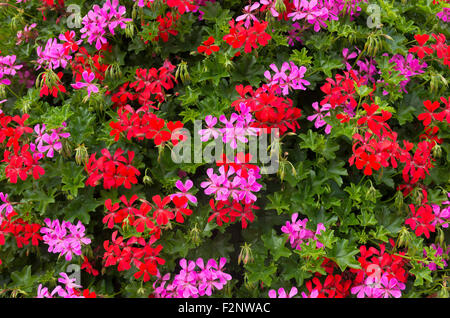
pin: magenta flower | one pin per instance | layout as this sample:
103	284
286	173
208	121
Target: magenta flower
282	293
444	15
6	205
298	233
210	130
184	188
53	55
192	282
318	116
285	82
388	288
98	19
64	238
88	78
348	56
248	16
270	5
53	144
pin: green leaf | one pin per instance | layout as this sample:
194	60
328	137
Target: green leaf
80	207
343	255
421	272
72	178
259	272
278	203
38	195
276	245
300	57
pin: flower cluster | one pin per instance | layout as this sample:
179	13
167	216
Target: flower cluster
48	142
234	197
444	15
70	289
142	124
191	282
27	34
8	68
64	238
408	68
284	81
115	170
440	47
21	161
21	230
148	82
298	233
268	108
235	129
135	251
436	253
239	185
53	55
250	37
319	115
95	23
382	274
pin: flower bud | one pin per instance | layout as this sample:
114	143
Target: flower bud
81	154
399	200
437	151
371	194
246	255
129	30
280	6
194	235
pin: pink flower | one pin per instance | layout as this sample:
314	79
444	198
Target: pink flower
285	82
98	19
210	130
6	205
318	116
271	5
88	78
248	16
282	293
389	288
184	188
53	55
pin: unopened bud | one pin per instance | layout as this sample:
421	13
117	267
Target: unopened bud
437	151
81	154
371	194
280	6
246	255
399	200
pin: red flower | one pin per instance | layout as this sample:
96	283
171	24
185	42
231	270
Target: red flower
161	213
89	268
421	220
208	46
421	49
430	115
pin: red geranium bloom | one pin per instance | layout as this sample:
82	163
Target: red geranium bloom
208	47
421	49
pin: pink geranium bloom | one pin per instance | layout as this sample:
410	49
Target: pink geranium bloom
282	293
88	78
319	115
248	16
